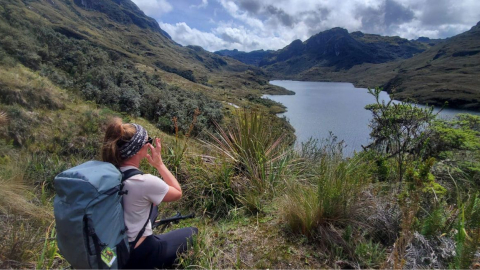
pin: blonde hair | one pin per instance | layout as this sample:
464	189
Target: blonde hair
116	133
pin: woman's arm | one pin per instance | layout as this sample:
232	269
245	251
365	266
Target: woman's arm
155	159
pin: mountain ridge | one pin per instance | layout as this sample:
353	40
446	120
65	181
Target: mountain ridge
127	13
429	71
338	48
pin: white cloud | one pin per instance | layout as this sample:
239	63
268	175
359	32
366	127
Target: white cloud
183	34
204	4
272	24
154	8
242	16
222	37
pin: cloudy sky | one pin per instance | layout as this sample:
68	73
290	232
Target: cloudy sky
249	25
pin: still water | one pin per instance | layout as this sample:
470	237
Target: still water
318	108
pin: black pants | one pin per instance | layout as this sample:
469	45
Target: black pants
160	251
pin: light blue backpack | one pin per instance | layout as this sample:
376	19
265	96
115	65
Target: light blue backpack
91	231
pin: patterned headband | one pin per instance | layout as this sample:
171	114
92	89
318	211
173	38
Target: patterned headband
136	143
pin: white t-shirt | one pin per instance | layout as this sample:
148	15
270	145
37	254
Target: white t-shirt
143	190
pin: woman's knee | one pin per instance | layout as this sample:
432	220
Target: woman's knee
194	230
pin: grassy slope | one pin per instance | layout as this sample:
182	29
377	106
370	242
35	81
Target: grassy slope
446	72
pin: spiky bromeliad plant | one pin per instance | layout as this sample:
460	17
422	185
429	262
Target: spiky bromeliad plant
255	146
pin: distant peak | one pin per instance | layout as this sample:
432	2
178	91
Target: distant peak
477	25
333	31
339	29
357	34
296	41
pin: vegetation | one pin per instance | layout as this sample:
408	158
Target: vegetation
104	78
259	202
409	200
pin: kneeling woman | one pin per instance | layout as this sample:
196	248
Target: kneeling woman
125	145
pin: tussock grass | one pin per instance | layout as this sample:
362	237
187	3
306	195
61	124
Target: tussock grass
330	198
3	118
18	85
255	146
213	189
326	200
23	215
14	199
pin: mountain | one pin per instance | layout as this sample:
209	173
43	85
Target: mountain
250	58
339	49
335	48
429	41
122	11
449	71
424	70
109	52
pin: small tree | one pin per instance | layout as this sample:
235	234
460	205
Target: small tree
399	129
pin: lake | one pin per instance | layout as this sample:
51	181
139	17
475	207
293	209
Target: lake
318	108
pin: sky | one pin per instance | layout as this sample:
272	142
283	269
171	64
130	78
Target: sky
249	25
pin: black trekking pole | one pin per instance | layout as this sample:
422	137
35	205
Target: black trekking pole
174	219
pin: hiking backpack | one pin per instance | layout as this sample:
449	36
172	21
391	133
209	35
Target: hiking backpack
91	231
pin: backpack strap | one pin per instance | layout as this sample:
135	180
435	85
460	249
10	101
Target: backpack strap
125	175
129	173
140	234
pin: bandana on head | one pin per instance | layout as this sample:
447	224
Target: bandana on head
136	143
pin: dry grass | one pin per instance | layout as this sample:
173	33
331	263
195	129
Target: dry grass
22	219
3	118
19	85
16	197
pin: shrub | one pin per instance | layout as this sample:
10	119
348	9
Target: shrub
461	133
400	130
330	198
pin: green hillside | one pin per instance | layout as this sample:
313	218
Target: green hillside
446	72
111	52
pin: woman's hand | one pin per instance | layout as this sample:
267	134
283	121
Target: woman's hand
155	158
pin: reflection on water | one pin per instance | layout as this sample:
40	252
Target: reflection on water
320	107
